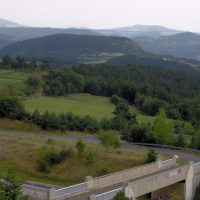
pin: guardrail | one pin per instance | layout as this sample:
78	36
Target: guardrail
71	189
164	146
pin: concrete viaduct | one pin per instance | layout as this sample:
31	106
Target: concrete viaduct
160	179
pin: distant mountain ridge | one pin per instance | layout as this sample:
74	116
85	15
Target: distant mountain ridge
184	44
140	30
7	23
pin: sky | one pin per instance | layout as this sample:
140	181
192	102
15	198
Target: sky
177	14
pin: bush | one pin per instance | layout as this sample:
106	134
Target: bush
80	146
109	139
11	108
120	196
49	157
90	160
116	100
151	156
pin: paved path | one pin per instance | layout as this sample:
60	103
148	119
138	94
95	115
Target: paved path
186	156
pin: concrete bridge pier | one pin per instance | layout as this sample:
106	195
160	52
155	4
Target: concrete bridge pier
189	182
129	192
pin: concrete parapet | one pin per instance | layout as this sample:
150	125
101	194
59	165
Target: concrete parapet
89	181
175	158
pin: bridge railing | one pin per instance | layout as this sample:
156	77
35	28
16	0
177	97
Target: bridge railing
168	163
196	168
71	190
108	195
127	175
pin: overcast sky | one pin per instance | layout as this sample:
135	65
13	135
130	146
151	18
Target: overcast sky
179	14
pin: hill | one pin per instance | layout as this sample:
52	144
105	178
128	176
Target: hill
6	40
67	48
7	23
139	30
24	33
168	62
185	45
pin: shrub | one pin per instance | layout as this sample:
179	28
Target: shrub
11	108
109	139
151	156
90	160
49	157
120	196
80	146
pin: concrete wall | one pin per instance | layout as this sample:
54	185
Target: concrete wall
36	192
156	182
127	175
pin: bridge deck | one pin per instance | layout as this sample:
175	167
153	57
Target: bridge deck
86	195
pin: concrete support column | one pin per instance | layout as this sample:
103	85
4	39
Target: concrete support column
89	181
189	182
129	192
51	195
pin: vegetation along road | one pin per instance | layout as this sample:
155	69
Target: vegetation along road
183	155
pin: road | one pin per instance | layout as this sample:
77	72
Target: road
88	138
186	156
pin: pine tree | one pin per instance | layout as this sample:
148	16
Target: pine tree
162	129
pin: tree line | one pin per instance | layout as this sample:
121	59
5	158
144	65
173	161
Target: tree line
147	88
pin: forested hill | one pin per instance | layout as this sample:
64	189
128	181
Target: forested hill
64	49
181	45
168	62
67	48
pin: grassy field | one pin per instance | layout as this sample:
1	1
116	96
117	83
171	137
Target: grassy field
21	154
79	104
13	80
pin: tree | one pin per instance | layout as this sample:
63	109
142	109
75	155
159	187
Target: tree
180	141
33	84
45	65
80	146
109	139
120	196
10	188
162	129
6	61
122	117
